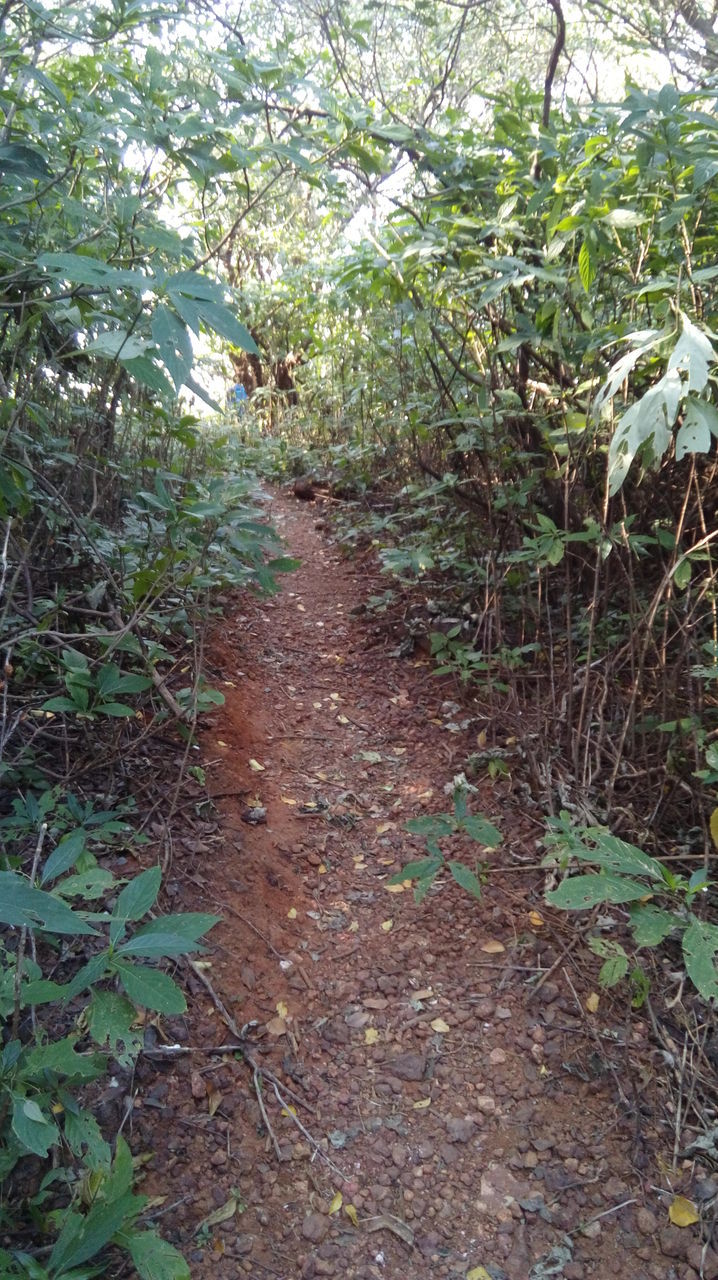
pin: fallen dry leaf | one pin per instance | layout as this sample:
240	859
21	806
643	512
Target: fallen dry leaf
292	913
682	1212
198	1086
287	800
493	947
223	1214
422	1104
424	994
256	767
439	1025
384	827
536	920
215	1097
354	926
593	1002
371	1035
387	925
352	1215
282	1009
337	1202
342	720
277	1027
478	1273
397	888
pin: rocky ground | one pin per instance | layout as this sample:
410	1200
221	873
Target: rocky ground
425	1090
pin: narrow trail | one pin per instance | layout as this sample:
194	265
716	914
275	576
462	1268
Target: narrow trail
463	1126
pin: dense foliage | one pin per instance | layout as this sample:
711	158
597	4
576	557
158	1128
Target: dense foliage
479	294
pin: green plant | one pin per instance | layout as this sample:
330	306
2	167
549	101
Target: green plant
437	827
62	1035
660	903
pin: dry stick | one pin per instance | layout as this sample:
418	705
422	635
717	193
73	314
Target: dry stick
265	1117
230	1022
317	1149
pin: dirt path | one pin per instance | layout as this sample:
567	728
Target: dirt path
463	1127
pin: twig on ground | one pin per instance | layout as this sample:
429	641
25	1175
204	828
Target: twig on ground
265	1117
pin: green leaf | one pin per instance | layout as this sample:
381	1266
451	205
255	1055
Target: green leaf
155	1258
586	267
82	1238
700	423
578	893
83	1135
416	870
135	900
150	988
700	943
692	354
650	925
614	854
109	1021
481	830
59	1056
22	904
78	268
613	970
65	855
169	935
434	826
174	344
465	877
422	887
34	1130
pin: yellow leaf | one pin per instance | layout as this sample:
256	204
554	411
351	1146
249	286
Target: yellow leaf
493	947
481	739
396	888
317	706
287	800
683	1212
301	608
536	920
292	913
371	1035
289	1111
439	1025
422	1104
354	926
220	743
342	720
387	925
57	1108
282	1009
256	767
335	697
352	1215
384	827
321	869
714	827
337	1202
478	1273
592	1002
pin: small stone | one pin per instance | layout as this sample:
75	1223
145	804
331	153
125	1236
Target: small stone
409	1066
315	1227
646	1222
706	1265
503	1013
673	1242
486	1104
460	1128
592	1230
218	1158
497	1057
243	1246
573	1271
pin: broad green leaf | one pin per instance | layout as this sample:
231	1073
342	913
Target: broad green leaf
150	988
35	1131
435	826
169	935
60	1056
155	1258
135	900
693	354
613	854
79	268
481	830
65	855
700	943
578	893
82	1237
465	877
83	1135
22	904
174	344
109	1021
416	870
650	925
700	423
